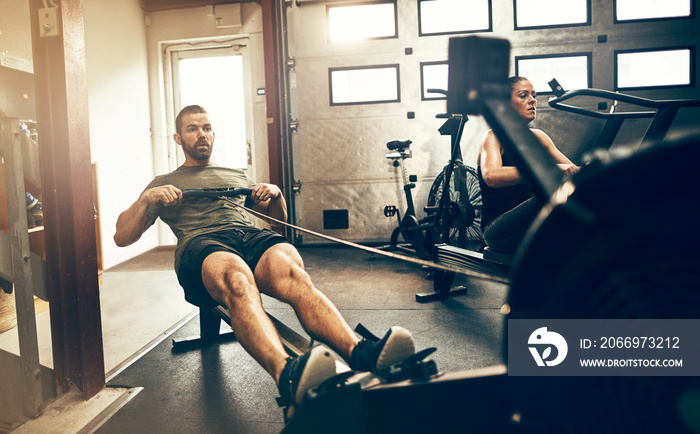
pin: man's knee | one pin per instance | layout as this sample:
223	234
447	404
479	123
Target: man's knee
298	275
281	270
236	281
278	259
285	271
226	275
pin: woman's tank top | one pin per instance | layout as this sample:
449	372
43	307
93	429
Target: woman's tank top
498	200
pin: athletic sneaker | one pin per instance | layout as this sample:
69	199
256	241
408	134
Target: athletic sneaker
303	373
377	356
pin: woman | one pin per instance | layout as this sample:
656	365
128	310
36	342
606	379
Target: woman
508	206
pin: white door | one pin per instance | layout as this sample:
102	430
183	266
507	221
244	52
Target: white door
215	78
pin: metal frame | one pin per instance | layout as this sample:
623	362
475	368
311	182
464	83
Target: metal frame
209	325
662	116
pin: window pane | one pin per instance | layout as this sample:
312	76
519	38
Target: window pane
454	16
433	76
571	72
365	85
362	21
653	68
626	10
547	13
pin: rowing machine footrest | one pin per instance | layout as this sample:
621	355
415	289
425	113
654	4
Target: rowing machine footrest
414	368
334	406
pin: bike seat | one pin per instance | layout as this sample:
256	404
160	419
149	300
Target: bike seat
399	145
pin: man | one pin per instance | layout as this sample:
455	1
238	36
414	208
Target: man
222	258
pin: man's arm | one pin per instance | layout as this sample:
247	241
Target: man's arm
133	222
269	200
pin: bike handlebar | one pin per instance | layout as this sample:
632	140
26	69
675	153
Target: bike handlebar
440	91
556	102
216	192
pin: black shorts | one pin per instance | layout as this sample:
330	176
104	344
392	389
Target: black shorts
249	244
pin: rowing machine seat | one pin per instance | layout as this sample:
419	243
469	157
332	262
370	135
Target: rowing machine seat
501	258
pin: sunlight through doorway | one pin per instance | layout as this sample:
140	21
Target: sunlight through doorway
214	79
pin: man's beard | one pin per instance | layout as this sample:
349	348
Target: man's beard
199	154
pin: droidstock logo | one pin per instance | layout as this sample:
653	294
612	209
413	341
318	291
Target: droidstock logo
545	340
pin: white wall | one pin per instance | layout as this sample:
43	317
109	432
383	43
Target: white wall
15	31
120	119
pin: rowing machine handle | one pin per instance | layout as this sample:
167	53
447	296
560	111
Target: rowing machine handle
216	192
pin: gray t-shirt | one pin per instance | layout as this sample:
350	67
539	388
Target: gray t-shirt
201	215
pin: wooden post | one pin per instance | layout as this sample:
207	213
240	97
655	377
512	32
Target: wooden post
272	79
64	154
11	150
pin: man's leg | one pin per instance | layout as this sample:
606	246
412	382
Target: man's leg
230	281
280	274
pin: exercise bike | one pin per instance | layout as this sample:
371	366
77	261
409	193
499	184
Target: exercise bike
454	200
409	227
455	194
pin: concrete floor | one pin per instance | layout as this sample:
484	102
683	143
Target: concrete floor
141	308
141	304
218	388
124	298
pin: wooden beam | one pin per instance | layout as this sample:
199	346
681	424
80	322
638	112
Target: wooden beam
164	5
37	264
64	153
272	80
32	396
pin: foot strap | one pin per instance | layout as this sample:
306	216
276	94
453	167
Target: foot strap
362	331
286	397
